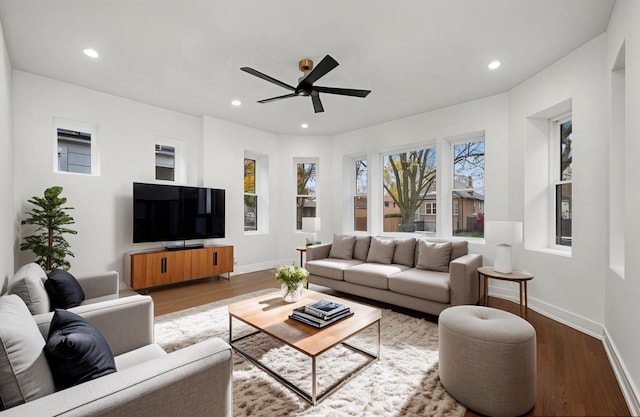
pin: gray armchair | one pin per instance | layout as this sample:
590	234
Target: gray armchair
194	381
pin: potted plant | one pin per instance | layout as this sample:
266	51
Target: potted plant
50	218
292	278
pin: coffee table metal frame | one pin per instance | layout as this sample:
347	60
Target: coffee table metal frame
312	397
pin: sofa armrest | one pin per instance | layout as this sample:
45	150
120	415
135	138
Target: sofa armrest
318	251
100	285
196	380
463	279
126	323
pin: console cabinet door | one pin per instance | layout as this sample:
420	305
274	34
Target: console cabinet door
159	268
207	262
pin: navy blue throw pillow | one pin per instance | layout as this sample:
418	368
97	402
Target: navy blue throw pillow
76	351
63	289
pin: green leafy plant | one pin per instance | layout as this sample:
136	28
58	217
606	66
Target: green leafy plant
50	218
291	276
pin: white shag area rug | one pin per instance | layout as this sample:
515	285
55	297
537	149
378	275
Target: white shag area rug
403	382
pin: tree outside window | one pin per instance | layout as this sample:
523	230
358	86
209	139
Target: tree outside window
360	198
409	179
468	189
306	192
250	196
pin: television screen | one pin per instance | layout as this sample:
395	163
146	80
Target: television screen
171	213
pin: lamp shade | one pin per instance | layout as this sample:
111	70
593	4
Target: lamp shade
310	224
503	232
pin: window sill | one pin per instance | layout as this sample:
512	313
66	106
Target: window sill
550	251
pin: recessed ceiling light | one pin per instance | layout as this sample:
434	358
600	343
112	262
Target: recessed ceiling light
91	53
304	126
494	64
236	103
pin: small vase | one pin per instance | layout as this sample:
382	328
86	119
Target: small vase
291	296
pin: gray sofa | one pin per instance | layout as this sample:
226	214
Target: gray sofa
195	381
420	274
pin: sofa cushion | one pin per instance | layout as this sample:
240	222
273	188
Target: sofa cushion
372	274
459	248
434	256
330	267
405	251
361	247
24	372
421	283
342	247
381	250
63	289
76	351
28	284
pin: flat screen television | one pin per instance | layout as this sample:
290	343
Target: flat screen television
170	213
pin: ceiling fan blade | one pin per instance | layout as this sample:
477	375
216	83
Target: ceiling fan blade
317	104
319	71
266	78
342	91
269	100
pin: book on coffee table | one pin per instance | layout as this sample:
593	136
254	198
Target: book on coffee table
300	315
325	309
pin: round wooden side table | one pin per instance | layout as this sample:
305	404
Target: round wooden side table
521	277
302	250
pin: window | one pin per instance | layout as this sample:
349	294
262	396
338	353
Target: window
562	185
76	149
305	191
360	198
165	163
250	196
409	181
468	189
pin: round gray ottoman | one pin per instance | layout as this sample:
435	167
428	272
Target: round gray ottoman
488	359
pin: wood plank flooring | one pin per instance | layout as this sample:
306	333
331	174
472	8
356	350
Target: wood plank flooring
574	375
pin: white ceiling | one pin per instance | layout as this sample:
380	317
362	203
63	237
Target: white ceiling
185	55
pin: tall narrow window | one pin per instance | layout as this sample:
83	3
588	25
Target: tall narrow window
165	163
250	196
305	191
409	181
468	189
74	151
360	198
563	187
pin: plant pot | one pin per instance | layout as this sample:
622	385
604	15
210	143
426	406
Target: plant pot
291	295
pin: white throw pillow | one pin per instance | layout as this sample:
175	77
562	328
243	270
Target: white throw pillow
28	284
24	371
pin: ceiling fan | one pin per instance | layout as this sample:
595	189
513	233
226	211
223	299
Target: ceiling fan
305	85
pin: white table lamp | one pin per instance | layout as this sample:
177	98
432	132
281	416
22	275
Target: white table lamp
311	225
504	234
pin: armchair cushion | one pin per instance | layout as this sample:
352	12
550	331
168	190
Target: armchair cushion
28	284
24	372
76	351
63	289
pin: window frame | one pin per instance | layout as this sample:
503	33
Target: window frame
555	180
261	192
454	209
357	194
296	162
77	126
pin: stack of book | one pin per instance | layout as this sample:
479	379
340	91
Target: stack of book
321	313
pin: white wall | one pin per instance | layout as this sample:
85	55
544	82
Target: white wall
7	214
127	133
622	308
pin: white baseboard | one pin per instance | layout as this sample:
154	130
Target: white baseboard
565	317
629	390
587	326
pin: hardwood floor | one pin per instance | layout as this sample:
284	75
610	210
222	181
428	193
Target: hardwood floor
574	375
